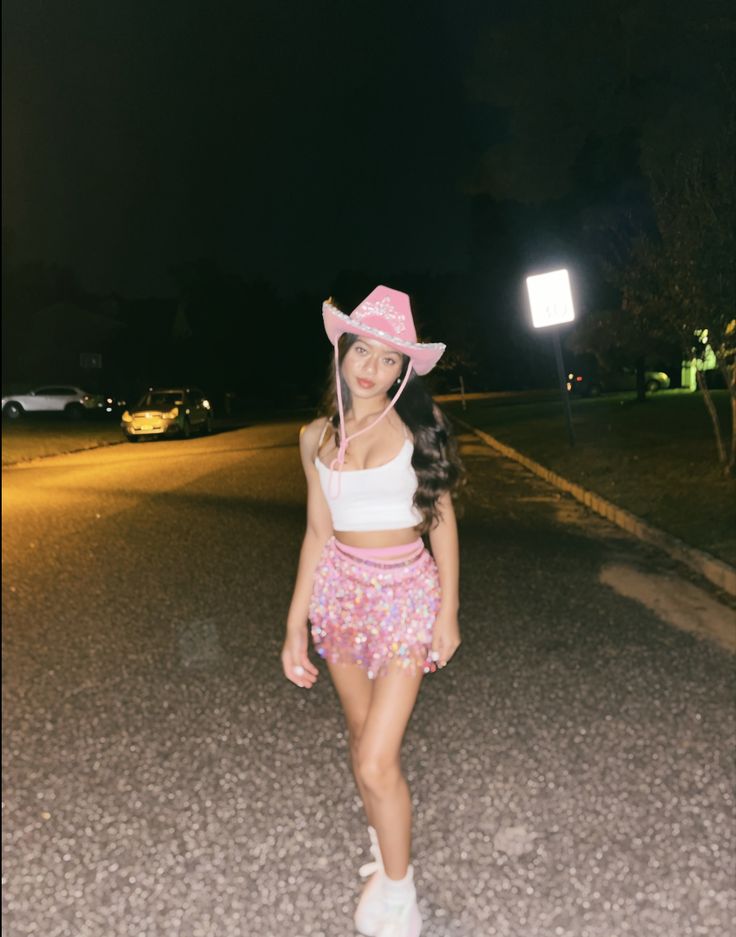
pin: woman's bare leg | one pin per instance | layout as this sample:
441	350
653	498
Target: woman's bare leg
355	691
378	765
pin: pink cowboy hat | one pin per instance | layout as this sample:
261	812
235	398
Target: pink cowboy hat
386	316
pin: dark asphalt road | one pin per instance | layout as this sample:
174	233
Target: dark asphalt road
572	768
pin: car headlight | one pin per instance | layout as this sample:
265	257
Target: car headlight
127	418
172	414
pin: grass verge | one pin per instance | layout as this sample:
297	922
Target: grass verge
657	459
31	438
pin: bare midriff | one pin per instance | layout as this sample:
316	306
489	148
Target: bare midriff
371	539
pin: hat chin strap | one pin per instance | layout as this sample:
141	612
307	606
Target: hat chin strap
339	460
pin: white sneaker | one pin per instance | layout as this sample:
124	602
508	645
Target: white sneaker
404	921
370	907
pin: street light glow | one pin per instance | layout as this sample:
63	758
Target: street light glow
550	298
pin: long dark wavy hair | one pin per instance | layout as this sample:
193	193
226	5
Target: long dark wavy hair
435	460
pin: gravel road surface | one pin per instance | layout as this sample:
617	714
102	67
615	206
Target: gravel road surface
572	769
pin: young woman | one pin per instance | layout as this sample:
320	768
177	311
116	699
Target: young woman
381	469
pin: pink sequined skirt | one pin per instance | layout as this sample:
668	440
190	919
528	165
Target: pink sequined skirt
375	614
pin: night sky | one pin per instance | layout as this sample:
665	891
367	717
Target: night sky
290	140
234	163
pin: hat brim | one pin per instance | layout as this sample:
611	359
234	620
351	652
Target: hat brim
424	355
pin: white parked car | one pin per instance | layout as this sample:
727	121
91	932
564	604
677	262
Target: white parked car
164	411
52	398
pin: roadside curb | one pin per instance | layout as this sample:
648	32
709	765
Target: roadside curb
714	570
51	455
105	443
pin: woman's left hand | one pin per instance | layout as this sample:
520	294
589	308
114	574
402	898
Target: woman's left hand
445	639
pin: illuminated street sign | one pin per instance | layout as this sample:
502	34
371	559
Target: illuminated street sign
550	298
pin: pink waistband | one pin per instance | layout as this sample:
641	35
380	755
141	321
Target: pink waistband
402	551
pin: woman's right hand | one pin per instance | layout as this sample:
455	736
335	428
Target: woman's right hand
295	661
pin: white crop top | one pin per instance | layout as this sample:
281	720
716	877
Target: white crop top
379	498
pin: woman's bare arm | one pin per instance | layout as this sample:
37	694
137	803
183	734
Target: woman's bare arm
445	548
318	532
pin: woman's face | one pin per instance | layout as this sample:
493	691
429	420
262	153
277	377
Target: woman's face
370	368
